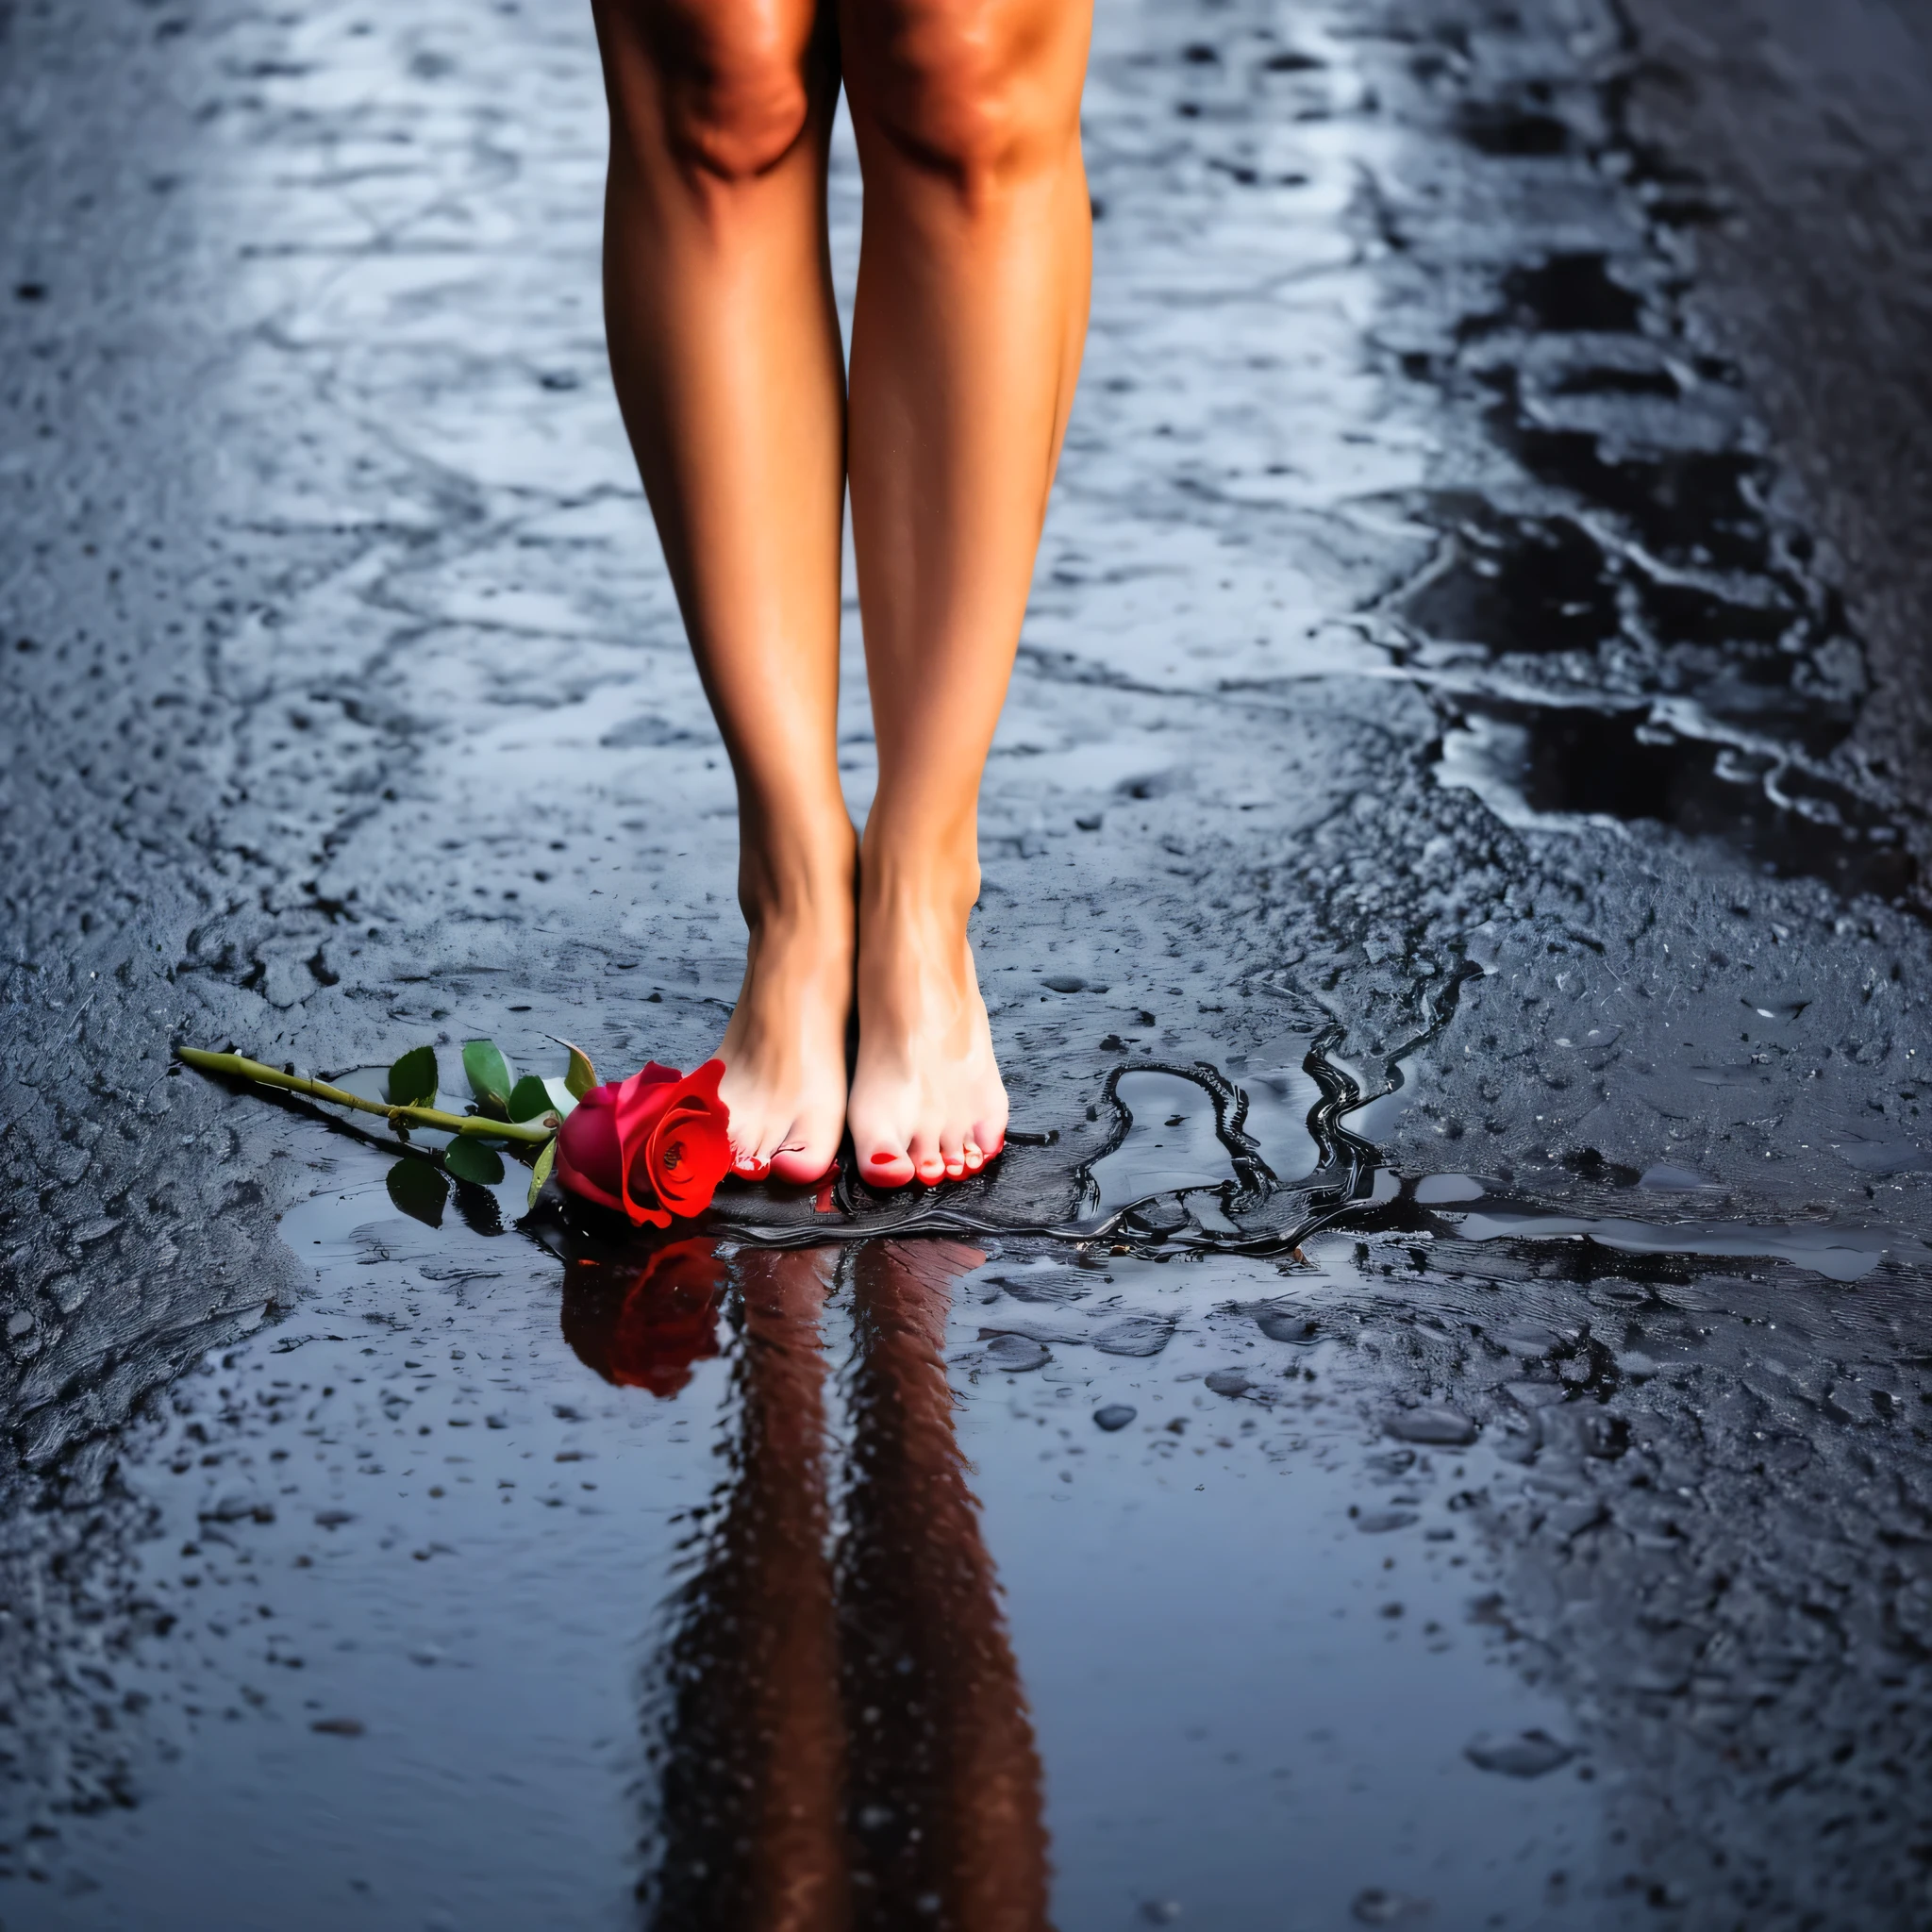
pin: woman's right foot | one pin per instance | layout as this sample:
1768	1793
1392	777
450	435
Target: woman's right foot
784	1050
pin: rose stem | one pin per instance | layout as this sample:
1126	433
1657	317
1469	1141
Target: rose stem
477	1126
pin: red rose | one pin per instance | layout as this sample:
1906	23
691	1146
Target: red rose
652	1147
645	1327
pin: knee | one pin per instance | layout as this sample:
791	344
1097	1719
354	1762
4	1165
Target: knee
979	91
731	79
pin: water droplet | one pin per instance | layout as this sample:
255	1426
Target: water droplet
1440	1426
1518	1753
1138	1335
1016	1354
1287	1324
1378	1906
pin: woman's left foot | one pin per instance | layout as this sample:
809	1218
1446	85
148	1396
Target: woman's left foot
927	1102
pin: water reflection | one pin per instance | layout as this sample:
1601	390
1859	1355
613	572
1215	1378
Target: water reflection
643	1326
840	1736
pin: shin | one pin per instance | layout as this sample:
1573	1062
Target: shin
971	312
725	349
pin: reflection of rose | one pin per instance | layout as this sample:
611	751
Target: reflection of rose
643	1328
652	1147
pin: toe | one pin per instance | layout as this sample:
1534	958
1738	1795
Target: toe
974	1158
990	1137
749	1160
953	1153
928	1163
802	1161
885	1168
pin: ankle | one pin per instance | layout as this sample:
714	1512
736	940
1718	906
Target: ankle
799	883
923	887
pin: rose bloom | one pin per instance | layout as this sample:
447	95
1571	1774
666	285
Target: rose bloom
653	1146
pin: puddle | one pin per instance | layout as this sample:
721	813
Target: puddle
1171	1143
1688	507
1651	639
1282	1096
1536	765
458	1624
492	1585
1565	294
1512	132
1838	1254
1518	584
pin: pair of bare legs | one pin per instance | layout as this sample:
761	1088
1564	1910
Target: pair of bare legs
971	311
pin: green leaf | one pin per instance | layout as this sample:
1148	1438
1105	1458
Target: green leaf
545	1161
490	1075
562	1099
419	1190
528	1098
581	1075
412	1081
470	1162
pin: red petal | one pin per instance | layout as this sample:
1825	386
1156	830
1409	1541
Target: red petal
589	1157
641	1102
694	1127
580	1183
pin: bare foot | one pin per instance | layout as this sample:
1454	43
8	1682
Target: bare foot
927	1102
784	1050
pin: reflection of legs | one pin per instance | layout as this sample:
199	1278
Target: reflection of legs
946	1797
752	1791
965	346
725	348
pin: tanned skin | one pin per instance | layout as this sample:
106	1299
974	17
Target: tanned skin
971	312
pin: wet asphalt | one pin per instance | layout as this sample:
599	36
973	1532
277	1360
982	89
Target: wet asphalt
1455	925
